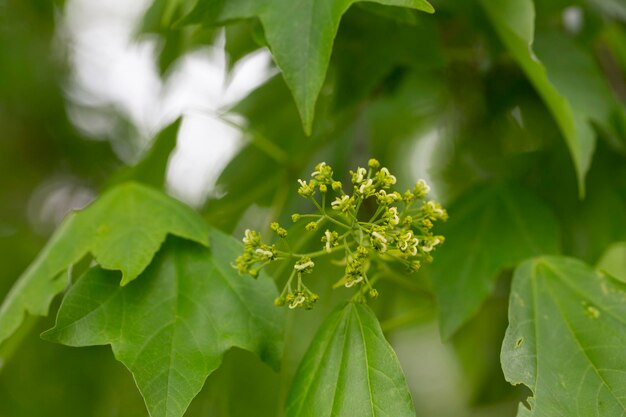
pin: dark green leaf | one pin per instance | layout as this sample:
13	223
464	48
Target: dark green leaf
368	48
514	21
350	370
300	37
489	229
152	168
566	339
172	326
123	230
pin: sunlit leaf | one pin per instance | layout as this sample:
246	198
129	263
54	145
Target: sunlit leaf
172	326
489	229
350	370
613	261
566	339
123	230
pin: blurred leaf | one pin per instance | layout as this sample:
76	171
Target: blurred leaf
566	339
513	20
588	226
123	230
613	261
277	151
573	71
616	38
152	169
161	19
368	48
489	229
242	38
477	346
350	370
613	8
300	38
172	326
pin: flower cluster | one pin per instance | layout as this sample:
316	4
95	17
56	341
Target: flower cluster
398	229
256	254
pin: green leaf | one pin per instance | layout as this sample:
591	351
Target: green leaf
152	169
489	229
513	20
383	45
350	370
172	326
300	37
566	339
123	230
613	261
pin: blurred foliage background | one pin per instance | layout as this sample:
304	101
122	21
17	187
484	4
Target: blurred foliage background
434	96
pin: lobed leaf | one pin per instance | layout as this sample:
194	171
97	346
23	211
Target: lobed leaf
300	36
123	230
566	339
489	229
350	370
172	326
514	21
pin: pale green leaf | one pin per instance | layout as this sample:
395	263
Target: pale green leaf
489	229
123	230
514	21
300	36
172	326
613	261
350	370
566	339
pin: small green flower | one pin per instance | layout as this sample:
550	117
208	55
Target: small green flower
387	199
366	188
378	239
251	238
311	227
296	300
307	190
265	253
391	216
330	240
396	226
384	178
414	266
280	231
302	299
304	265
343	203
434	211
421	189
432	243
323	173
359	176
407	243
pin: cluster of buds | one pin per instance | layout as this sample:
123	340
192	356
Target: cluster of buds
302	297
398	229
256	254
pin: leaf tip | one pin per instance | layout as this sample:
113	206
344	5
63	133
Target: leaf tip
427	7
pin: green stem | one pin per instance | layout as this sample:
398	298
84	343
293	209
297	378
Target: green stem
337	222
